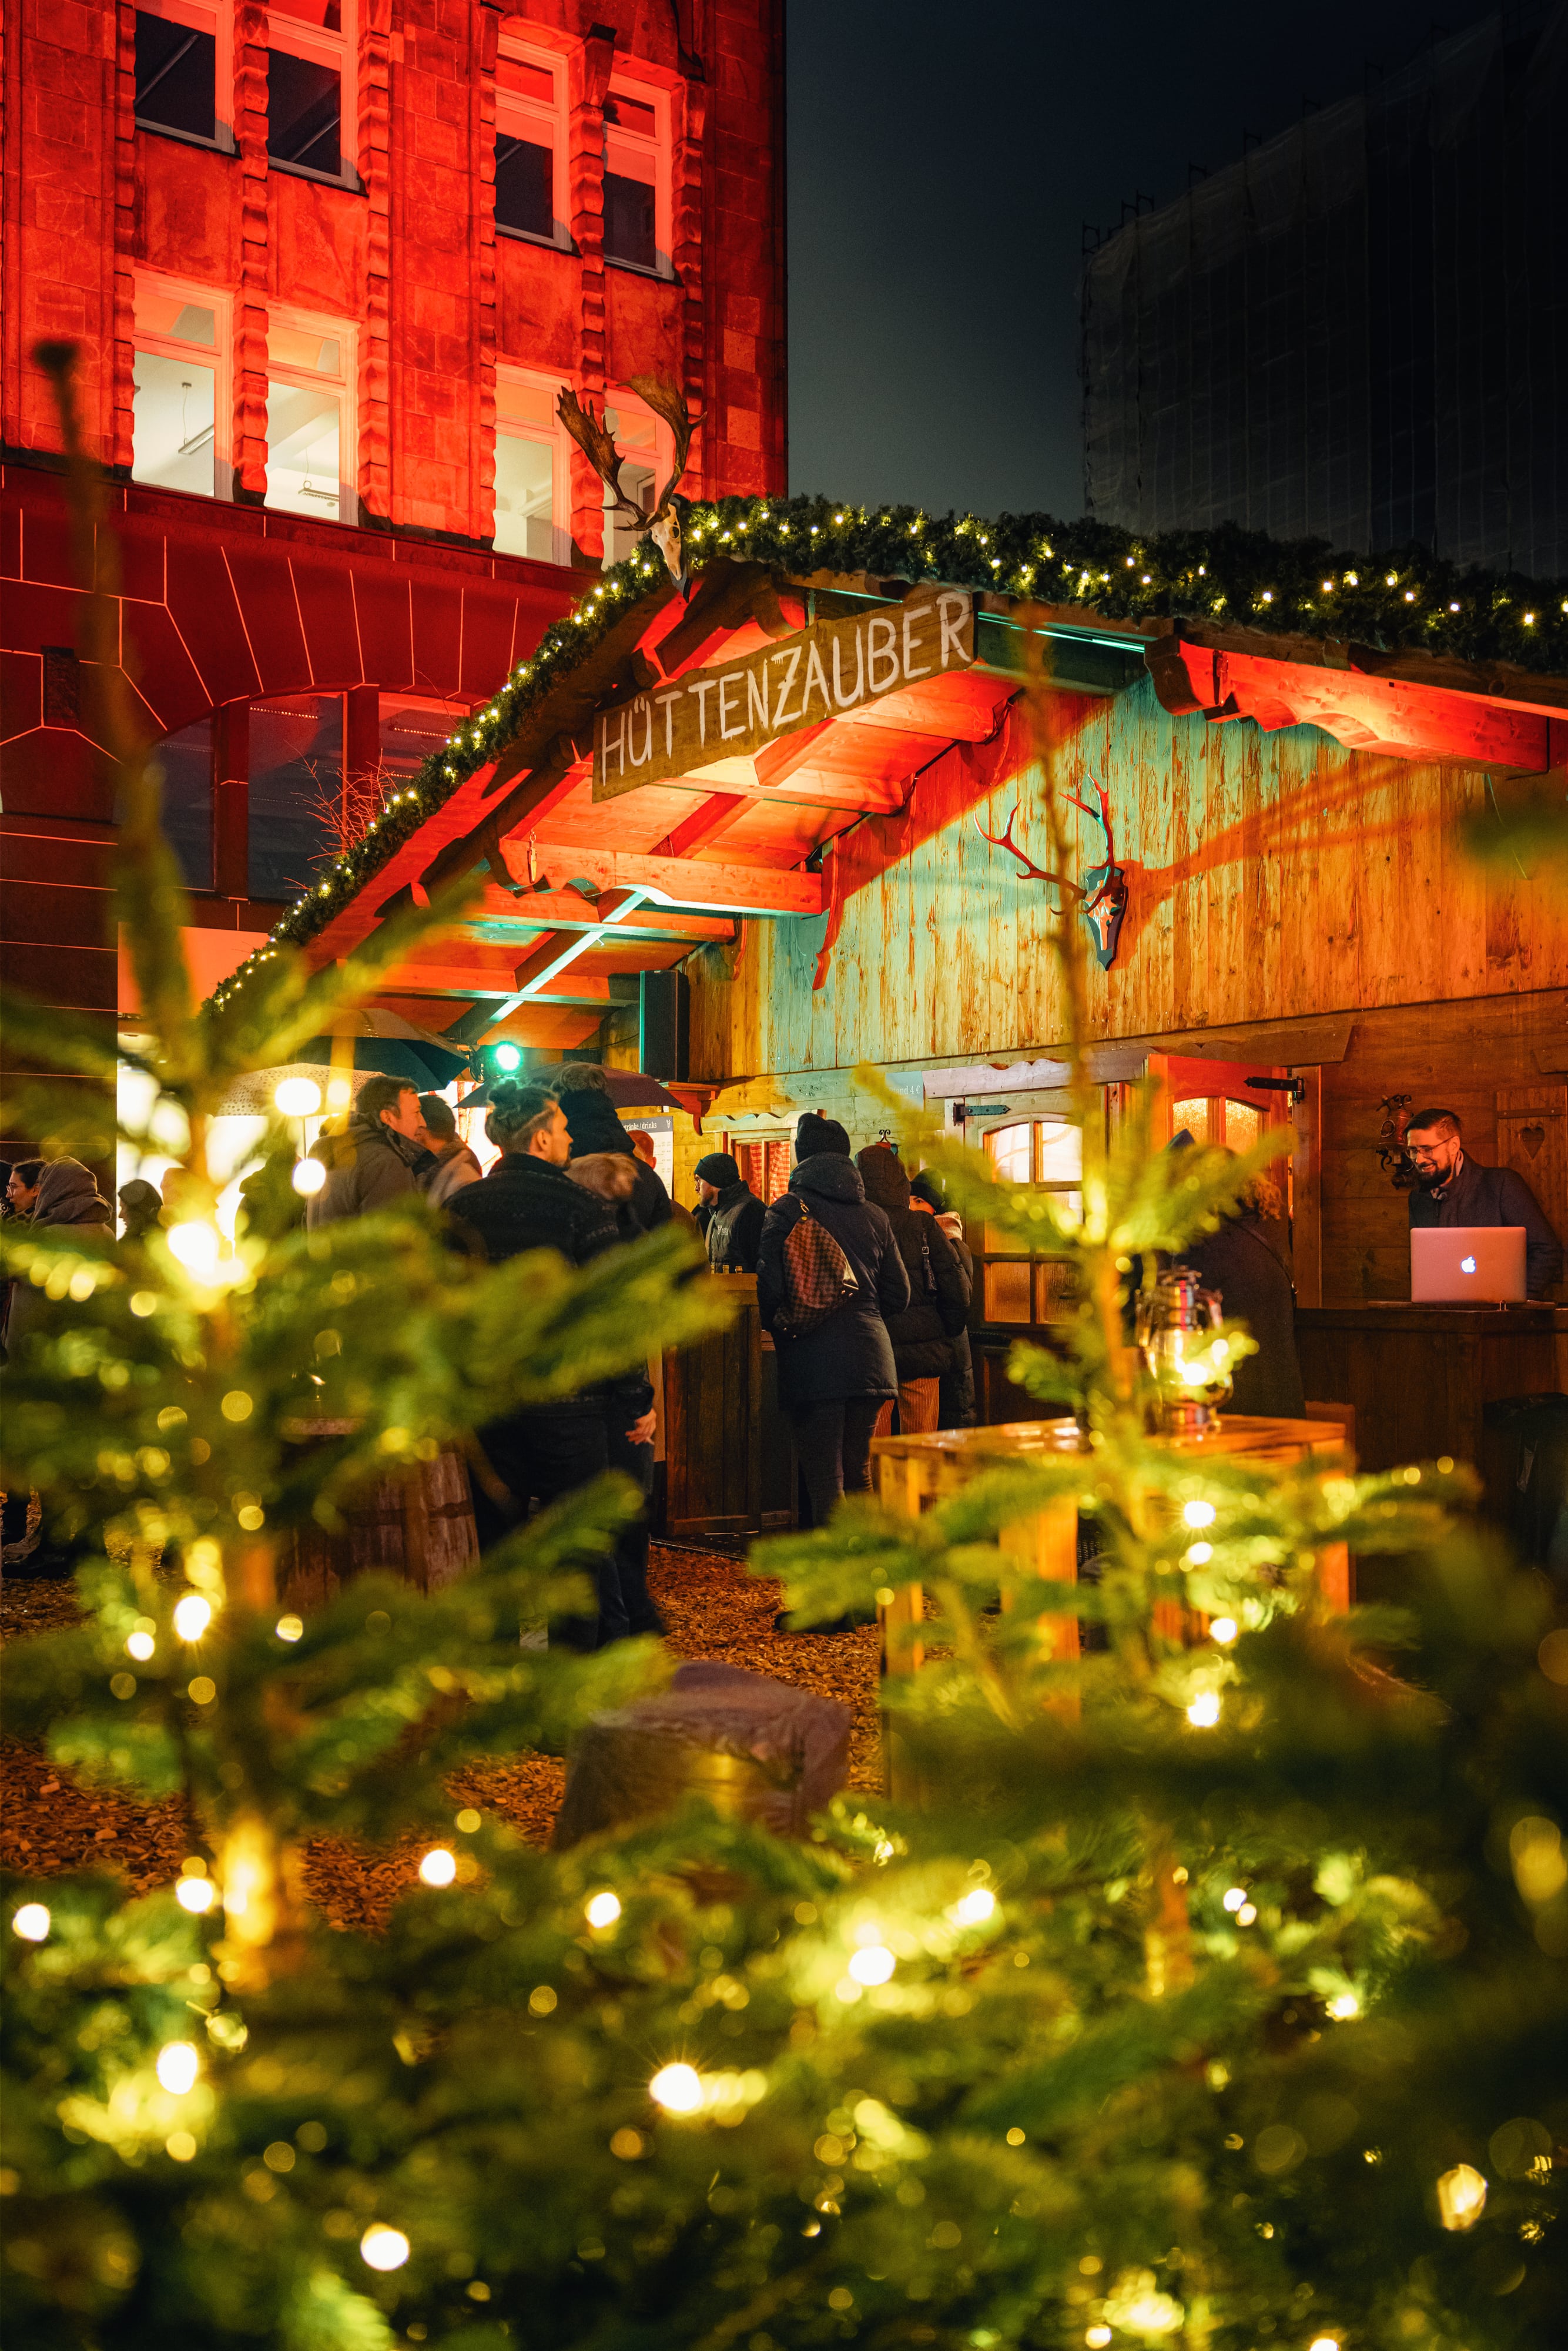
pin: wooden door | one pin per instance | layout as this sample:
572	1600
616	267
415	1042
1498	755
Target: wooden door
1533	1139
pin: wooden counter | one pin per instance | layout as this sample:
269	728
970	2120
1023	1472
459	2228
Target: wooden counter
1421	1377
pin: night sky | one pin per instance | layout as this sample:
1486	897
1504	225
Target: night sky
942	161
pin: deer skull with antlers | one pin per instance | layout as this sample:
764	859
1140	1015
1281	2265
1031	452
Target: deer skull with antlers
1102	894
662	522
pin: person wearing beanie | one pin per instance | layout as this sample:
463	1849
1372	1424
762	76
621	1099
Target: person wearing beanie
923	1332
815	1135
834	1377
735	1228
542	1451
956	1394
594	1124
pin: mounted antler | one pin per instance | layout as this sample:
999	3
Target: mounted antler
1102	816
1102	895
1028	870
661	523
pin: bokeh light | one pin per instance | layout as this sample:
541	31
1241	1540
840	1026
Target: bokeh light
438	1866
678	2088
179	2063
382	2248
31	1922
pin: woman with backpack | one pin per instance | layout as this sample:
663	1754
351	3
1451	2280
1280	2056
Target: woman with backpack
829	1274
923	1336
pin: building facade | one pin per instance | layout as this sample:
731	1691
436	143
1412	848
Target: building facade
328	265
1359	332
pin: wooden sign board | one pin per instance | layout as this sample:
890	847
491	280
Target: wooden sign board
829	671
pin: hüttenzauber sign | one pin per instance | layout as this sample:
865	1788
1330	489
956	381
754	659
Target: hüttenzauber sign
740	707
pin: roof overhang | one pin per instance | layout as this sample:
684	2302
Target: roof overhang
689	770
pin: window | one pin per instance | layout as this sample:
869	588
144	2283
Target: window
531	471
1215	1118
309	464
296	782
636	178
530	146
647	456
1014	1287
180	409
184	70
309	86
185	763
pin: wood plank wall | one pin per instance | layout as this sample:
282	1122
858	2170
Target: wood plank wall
1273	876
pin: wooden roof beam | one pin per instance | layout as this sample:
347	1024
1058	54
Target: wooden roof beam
684	882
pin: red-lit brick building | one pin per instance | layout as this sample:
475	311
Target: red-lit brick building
329	265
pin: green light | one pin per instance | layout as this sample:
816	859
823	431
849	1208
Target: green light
509	1058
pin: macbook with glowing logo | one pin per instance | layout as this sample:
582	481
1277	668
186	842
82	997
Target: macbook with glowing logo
1467	1265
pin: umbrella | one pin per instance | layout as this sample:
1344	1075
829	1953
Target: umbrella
386	1042
628	1090
251	1095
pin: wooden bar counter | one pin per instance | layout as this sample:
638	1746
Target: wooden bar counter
1421	1377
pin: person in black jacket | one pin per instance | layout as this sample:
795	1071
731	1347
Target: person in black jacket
735	1228
923	1333
1453	1189
594	1124
529	1202
834	1378
956	1388
1242	1264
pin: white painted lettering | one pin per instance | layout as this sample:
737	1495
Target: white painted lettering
791	653
912	619
639	758
845	700
951	610
816	683
757	698
881	645
666	701
701	687
615	742
728	691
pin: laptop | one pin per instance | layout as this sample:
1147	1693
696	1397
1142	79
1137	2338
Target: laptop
1467	1265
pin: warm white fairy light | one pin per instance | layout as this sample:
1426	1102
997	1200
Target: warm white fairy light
438	1866
873	1965
178	2064
382	2248
678	2088
1198	1514
192	1615
196	1894
31	1922
971	1909
1203	1712
603	1909
1223	1629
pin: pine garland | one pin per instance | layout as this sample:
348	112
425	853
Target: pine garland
1408	599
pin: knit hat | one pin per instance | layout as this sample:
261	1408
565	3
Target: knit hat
927	1187
718	1169
815	1135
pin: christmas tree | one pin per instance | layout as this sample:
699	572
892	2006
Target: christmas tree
1209	1992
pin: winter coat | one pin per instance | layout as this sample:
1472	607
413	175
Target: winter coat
957	1405
1496	1196
594	1124
450	1175
850	1355
1255	1289
734	1229
368	1166
923	1332
526	1204
67	1195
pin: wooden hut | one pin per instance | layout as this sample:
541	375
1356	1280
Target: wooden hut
795	779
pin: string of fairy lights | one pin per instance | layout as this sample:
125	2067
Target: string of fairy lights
1412	601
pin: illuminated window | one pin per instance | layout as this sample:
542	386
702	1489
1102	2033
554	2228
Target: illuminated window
1014	1288
636	177
530	145
309	468
531	469
184	70
1215	1118
310	86
648	456
179	438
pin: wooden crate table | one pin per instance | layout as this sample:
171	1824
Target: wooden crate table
909	1474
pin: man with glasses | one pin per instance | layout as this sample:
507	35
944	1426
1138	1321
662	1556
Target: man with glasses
1453	1189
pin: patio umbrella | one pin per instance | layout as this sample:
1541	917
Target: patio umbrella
628	1090
251	1096
386	1042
